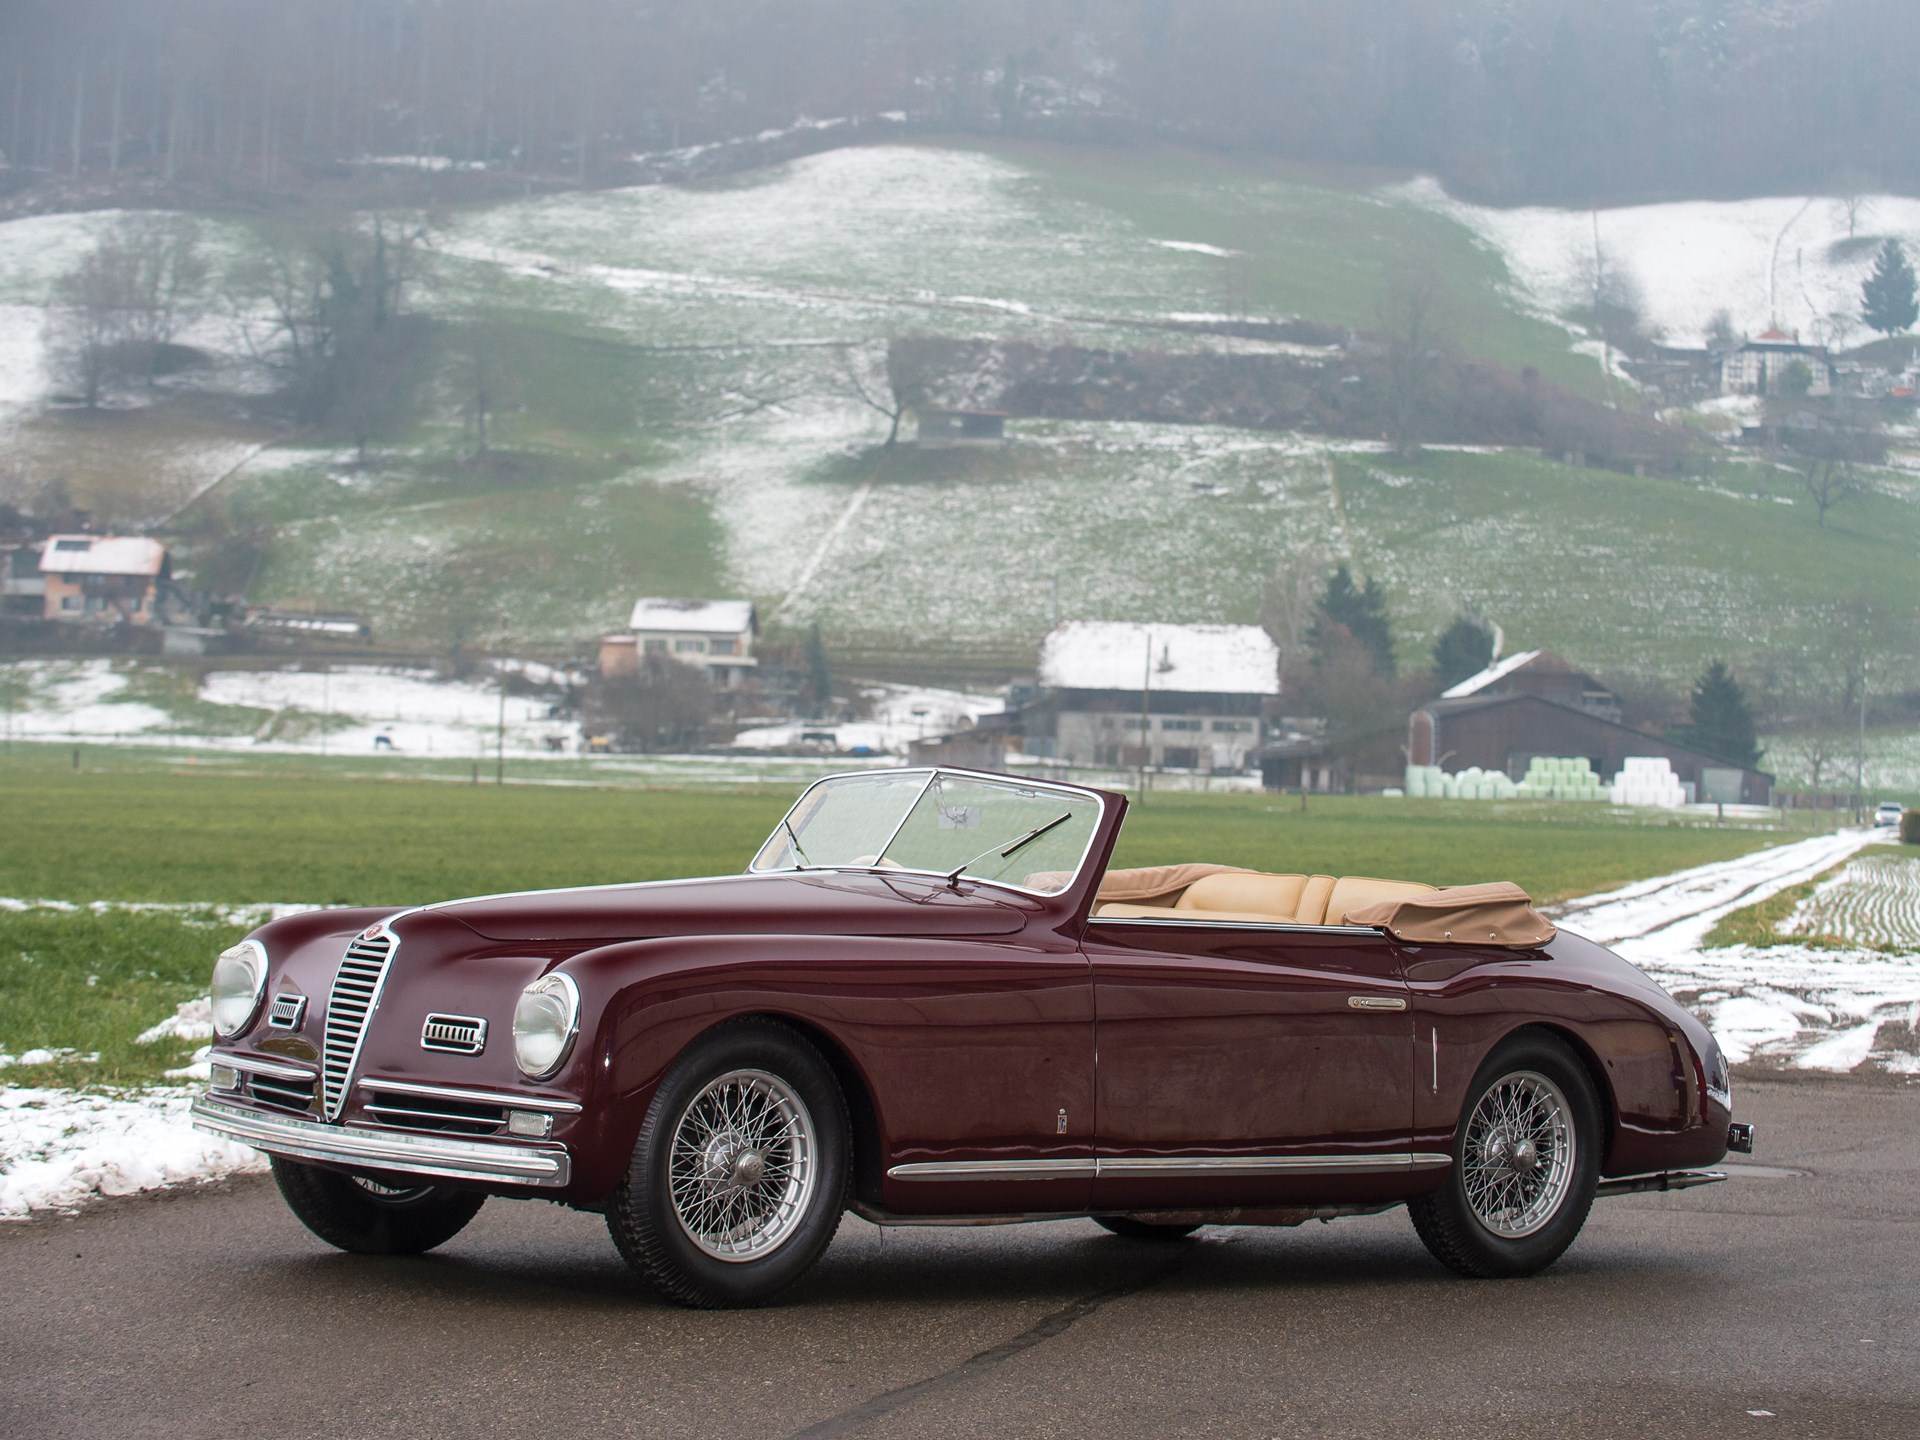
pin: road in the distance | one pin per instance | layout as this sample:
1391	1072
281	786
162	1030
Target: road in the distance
212	1311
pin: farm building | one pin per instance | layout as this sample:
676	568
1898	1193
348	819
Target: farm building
1178	697
712	635
1542	673
1505	732
104	579
1759	366
937	426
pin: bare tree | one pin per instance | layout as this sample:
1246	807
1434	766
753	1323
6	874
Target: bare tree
1289	602
872	385
1409	326
667	703
86	323
114	311
318	304
1853	199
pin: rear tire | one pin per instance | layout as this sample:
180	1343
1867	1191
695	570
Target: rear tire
739	1174
370	1217
1526	1162
1127	1228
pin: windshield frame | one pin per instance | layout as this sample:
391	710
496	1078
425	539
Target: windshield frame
932	773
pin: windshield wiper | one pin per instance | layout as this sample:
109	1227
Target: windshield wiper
799	854
1019	843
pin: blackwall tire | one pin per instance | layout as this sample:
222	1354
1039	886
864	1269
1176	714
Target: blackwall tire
739	1174
370	1217
1127	1228
1526	1162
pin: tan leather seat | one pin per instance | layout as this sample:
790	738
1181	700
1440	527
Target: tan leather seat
1355	892
1276	897
1313	900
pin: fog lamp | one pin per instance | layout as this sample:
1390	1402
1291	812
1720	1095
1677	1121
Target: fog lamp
534	1124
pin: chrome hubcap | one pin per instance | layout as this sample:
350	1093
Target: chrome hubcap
743	1165
1518	1158
392	1194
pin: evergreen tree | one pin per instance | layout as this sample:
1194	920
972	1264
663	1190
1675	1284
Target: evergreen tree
1889	303
1360	610
819	672
1721	721
1464	649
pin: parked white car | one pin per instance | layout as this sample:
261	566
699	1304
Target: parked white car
1888	813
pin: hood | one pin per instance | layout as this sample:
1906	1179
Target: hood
813	903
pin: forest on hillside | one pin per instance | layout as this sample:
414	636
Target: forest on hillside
1506	100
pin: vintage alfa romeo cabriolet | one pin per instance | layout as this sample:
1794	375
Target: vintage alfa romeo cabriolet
929	1000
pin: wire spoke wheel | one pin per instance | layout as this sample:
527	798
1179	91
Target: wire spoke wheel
1519	1157
743	1164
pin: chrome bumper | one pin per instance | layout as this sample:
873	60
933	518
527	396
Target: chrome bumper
441	1156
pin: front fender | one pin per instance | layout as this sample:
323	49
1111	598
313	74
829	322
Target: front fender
650	999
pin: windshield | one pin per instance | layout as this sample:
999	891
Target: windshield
1029	836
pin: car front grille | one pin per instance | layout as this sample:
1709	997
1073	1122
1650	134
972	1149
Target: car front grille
350	1005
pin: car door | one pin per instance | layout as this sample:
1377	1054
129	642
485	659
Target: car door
1241	1064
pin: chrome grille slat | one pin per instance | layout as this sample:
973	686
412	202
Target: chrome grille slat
350	1005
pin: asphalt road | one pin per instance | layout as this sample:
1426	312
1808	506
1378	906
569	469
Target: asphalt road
1777	1304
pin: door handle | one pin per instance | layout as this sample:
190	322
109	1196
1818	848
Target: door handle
1375	1002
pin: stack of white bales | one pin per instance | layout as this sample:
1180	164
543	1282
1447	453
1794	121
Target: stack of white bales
1430	782
1554	777
1648	780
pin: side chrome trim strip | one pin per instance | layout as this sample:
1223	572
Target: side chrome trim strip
272	1069
1199	924
994	1169
505	1099
1167	1166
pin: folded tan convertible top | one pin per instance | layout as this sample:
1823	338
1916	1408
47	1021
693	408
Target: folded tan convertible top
1498	914
1148	883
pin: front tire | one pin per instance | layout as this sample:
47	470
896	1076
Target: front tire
1526	1164
370	1217
739	1174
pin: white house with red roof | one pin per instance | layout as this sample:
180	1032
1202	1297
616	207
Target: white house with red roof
1759	366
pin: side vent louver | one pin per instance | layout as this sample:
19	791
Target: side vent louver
460	1034
287	1011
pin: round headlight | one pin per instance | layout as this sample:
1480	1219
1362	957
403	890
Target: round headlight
544	1024
239	979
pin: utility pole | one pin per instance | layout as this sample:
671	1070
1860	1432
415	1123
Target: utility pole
326	705
1146	717
500	736
1860	752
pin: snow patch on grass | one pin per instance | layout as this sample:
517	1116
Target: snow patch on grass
59	1148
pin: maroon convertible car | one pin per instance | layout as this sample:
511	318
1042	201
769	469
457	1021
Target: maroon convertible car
928	1000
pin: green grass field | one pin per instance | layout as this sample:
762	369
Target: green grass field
136	827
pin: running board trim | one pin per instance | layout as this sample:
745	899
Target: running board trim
1660	1180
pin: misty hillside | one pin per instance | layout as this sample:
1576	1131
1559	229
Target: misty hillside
680	378
1563	101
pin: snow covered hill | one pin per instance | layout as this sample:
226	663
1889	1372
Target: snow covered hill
1785	260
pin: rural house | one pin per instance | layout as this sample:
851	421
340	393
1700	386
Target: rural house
1178	697
1759	366
712	635
106	579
